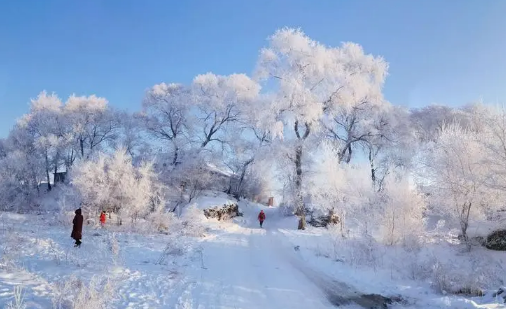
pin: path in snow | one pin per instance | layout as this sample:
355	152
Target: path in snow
249	267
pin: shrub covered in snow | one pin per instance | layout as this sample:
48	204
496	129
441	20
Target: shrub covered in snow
448	268
286	209
10	247
162	221
402	216
192	222
18	302
73	293
113	183
470	276
176	246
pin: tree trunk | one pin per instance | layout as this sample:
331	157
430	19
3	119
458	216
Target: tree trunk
243	175
373	169
68	160
81	145
48	180
71	160
33	180
300	211
348	159
302	223
55	171
345	154
464	220
174	161
47	173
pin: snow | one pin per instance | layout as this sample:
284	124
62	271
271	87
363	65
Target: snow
236	265
244	268
388	267
47	257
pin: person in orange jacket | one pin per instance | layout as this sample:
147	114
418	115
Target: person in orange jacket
102	218
261	217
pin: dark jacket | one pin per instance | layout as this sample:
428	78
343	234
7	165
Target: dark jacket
77	229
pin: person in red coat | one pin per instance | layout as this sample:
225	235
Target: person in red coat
261	217
77	229
102	218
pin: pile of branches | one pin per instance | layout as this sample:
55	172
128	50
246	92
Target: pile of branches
225	212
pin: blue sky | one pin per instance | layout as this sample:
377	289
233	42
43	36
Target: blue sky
450	52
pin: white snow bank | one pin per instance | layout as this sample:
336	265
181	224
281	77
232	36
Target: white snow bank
409	272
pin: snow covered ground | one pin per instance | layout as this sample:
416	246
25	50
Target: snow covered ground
236	265
41	258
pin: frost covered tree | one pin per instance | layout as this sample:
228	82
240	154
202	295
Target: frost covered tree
3	148
254	151
191	178
20	175
113	183
91	181
130	136
22	170
149	185
61	133
355	111
331	190
402	218
429	121
248	147
293	63
202	123
392	149
44	127
316	85
93	124
165	115
491	127
344	190
218	102
457	176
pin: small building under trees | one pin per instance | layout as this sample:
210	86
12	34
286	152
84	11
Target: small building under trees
59	177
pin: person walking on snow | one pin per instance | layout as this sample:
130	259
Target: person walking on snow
77	229
261	217
102	218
